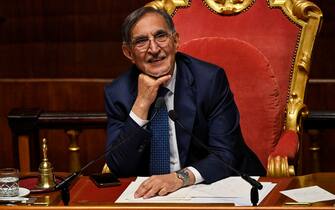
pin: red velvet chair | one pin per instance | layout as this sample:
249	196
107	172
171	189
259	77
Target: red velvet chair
265	48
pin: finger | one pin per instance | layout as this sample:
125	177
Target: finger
163	79
148	78
142	189
163	191
151	193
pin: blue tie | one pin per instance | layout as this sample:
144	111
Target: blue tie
160	146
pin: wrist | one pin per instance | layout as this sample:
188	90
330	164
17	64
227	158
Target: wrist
140	109
185	176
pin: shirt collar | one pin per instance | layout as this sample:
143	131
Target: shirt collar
171	84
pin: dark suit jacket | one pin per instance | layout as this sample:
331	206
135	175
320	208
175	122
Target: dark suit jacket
205	106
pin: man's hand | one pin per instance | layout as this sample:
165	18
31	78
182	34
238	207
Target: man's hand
158	185
161	185
147	92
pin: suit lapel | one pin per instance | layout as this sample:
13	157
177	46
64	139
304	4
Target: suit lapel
185	107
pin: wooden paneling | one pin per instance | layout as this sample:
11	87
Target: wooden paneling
320	96
59	60
54	95
75	38
59	39
323	65
320	93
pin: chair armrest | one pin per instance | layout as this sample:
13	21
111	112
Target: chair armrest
285	151
288	145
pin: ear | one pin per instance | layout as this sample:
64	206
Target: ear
128	52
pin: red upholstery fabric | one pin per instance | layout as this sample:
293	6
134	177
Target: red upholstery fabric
254	85
256	48
268	29
288	144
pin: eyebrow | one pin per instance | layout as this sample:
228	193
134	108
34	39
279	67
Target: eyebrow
144	36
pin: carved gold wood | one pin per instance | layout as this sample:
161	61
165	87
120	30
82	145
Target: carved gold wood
228	7
169	6
225	7
278	167
307	15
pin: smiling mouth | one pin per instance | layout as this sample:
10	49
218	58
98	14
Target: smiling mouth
156	60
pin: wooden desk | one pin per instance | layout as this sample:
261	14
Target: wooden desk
85	195
323	180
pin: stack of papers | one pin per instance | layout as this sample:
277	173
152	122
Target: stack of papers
230	190
310	194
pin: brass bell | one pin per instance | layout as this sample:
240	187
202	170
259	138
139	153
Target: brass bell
46	179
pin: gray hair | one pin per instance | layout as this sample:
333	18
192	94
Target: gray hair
136	15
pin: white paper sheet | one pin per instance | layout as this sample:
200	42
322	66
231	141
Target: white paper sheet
309	194
230	190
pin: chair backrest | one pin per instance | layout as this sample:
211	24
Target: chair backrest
254	86
265	48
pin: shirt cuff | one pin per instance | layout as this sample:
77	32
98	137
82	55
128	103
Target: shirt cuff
197	175
138	120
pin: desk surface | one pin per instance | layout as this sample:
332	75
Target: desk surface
85	195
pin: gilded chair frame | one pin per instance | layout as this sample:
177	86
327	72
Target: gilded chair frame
301	12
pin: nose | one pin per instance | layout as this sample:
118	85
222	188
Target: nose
153	46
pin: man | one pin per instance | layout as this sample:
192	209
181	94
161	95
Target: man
197	91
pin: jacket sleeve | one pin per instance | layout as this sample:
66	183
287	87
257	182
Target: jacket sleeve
127	142
222	134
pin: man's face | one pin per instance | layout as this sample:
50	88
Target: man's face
153	46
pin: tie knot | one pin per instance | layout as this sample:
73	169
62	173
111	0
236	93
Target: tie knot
162	91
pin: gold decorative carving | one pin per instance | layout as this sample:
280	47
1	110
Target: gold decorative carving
228	7
296	110
278	167
225	7
169	6
309	17
304	10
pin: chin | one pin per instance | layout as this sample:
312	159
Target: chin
157	72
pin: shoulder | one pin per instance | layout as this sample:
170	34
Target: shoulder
198	68
125	82
120	94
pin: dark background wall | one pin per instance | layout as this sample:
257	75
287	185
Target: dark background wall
58	55
320	94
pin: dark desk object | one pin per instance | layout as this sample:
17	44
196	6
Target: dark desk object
85	195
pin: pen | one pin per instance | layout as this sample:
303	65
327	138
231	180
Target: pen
298	203
13	199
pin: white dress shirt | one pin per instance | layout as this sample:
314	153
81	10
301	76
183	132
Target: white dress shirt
174	154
